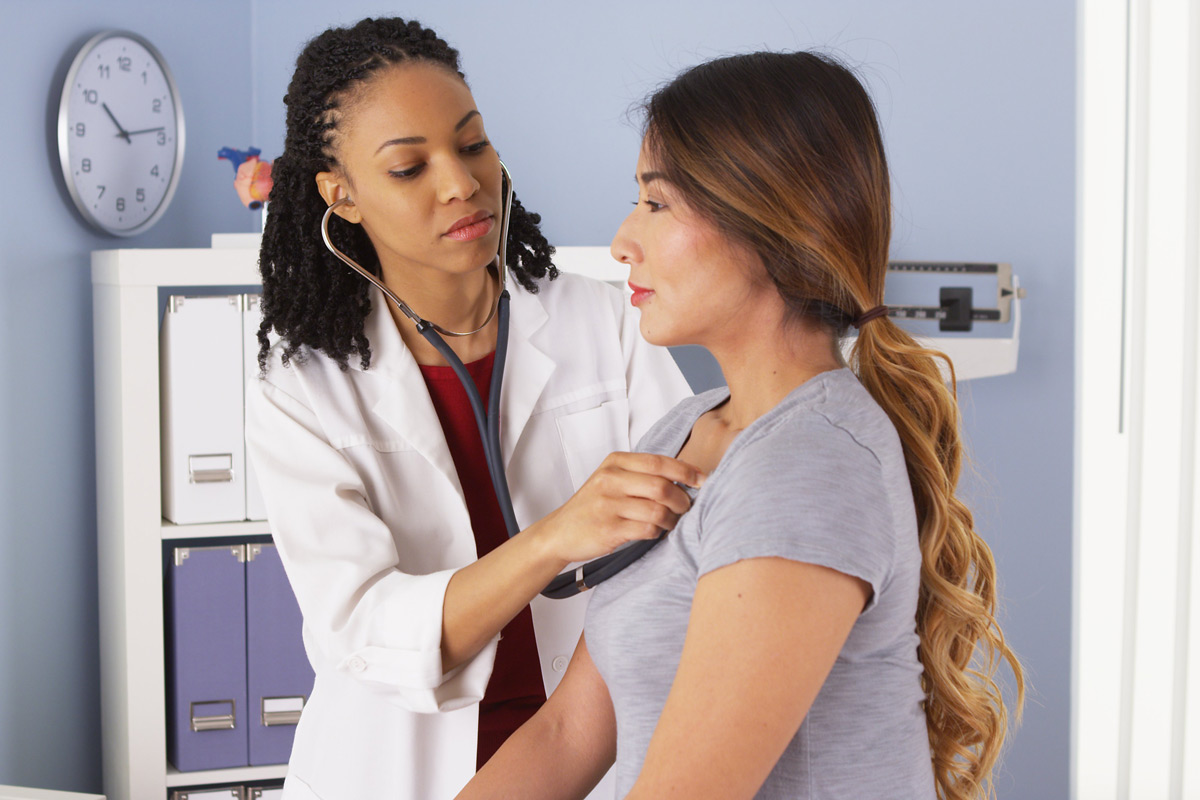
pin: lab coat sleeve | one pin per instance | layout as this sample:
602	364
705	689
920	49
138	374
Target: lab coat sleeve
367	619
653	380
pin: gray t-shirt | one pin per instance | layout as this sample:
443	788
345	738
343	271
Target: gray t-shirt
821	479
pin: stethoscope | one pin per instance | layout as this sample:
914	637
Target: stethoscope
585	576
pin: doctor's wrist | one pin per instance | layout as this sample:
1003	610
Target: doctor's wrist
543	540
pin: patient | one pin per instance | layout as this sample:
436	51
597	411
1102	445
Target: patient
822	622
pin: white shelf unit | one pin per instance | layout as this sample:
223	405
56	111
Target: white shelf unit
131	530
125	301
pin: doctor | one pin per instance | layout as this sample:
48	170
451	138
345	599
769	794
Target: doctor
417	613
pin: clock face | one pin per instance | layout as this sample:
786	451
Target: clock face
120	133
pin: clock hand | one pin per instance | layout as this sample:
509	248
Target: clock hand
145	130
120	131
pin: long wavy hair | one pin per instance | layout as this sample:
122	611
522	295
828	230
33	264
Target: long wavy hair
782	152
308	296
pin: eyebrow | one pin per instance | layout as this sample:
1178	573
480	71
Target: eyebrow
462	122
421	139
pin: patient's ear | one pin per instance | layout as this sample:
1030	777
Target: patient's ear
333	188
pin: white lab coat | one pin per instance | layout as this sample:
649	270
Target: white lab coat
368	515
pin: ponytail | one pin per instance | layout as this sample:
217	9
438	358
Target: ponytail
961	644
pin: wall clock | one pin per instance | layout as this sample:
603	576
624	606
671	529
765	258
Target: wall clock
120	133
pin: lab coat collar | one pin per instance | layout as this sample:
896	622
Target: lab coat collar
527	367
403	398
404	401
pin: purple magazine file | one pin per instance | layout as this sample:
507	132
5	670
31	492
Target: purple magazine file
206	657
279	676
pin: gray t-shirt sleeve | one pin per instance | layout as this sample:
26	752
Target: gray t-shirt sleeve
806	491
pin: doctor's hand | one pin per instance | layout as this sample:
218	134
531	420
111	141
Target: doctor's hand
630	496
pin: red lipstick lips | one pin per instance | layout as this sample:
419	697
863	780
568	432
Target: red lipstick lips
640	293
473	227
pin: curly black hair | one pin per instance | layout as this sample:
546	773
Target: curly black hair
309	297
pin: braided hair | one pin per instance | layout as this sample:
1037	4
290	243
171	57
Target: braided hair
309	297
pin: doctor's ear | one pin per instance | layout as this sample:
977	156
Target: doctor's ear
332	189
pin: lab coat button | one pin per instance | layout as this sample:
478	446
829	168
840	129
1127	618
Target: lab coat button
356	664
560	663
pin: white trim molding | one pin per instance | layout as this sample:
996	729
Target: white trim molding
1136	673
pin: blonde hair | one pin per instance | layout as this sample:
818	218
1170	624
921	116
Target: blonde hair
782	152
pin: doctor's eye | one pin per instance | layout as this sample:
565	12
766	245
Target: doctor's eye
411	172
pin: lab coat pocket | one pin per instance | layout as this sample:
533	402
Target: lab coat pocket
588	436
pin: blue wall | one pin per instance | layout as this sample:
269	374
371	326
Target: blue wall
977	102
49	658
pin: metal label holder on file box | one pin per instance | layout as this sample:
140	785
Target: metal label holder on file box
282	710
214	722
210	793
210	468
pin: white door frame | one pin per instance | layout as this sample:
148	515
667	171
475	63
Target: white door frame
1135	724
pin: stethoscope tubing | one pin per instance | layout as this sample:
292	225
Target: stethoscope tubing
488	423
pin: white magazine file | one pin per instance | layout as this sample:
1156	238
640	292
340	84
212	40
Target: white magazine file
202	407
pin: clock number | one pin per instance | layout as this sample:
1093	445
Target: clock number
101	188
80	129
120	204
154	171
157	106
141	195
90	96
104	71
86	166
125	63
162	137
